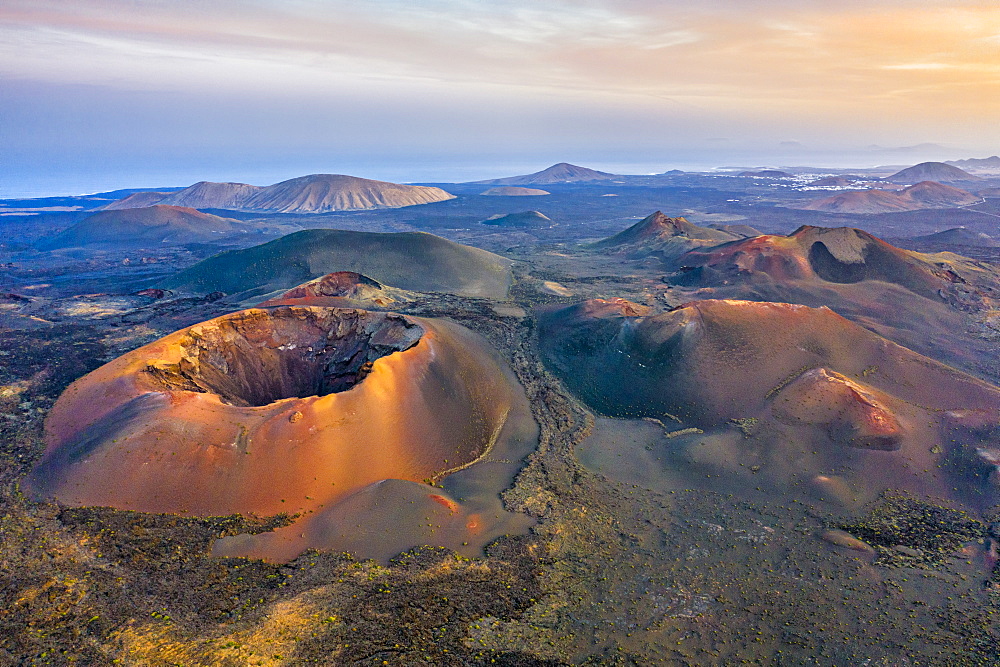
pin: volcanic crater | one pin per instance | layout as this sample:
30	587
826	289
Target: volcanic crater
266	356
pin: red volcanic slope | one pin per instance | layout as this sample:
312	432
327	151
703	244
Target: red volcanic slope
274	410
837	255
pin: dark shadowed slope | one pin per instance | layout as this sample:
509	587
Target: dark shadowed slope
411	261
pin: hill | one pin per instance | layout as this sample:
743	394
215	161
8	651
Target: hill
778	393
514	191
153	225
523	219
562	172
923	195
411	261
135	200
919	300
206	194
932	171
960	236
658	234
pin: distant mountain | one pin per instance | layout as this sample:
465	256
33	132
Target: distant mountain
926	194
523	219
666	237
135	200
411	261
557	173
316	193
859	201
932	171
152	225
322	193
988	164
206	194
514	191
937	195
960	236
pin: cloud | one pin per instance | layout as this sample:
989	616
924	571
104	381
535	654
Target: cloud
546	71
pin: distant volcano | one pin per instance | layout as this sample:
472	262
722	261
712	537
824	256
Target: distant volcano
557	173
932	171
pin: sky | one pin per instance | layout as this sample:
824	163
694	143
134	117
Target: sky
105	94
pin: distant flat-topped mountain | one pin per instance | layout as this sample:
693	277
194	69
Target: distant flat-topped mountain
926	194
932	171
316	193
557	173
152	225
411	261
514	191
321	193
